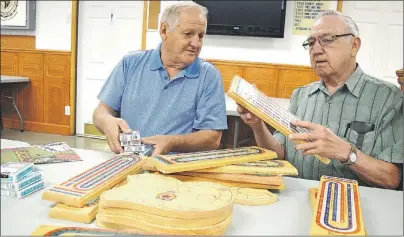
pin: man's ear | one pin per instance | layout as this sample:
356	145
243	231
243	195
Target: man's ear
163	30
355	46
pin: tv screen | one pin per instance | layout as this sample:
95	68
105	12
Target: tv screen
246	18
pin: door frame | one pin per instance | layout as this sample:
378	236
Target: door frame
73	57
73	65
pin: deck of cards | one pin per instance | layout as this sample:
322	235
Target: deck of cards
131	142
19	180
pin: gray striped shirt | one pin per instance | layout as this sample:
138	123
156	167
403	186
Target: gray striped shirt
361	98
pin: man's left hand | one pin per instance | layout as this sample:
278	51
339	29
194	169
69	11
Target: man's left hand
323	142
162	144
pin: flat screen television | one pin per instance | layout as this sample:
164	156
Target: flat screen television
246	18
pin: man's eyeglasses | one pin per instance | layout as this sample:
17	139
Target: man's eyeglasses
323	40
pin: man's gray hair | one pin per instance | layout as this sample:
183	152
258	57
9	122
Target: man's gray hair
171	14
349	23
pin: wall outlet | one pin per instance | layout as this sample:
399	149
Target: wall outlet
67	110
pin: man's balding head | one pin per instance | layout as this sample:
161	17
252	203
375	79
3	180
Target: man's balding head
339	43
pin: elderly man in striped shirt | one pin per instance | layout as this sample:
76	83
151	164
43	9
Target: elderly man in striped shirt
355	119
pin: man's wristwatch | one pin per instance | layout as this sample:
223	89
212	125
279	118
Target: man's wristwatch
351	156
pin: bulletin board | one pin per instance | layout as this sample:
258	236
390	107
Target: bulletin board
304	14
17	14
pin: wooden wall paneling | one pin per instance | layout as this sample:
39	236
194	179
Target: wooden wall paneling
56	88
228	72
17	42
9	63
31	66
9	67
290	79
264	78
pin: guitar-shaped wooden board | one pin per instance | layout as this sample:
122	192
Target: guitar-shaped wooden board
169	197
253	196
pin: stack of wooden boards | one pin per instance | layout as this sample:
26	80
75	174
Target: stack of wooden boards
192	193
336	207
165	205
249	171
77	198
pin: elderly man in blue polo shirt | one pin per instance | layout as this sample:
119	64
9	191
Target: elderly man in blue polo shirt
175	99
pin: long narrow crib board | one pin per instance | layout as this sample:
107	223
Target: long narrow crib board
88	185
338	208
85	214
262	167
208	159
263	107
54	230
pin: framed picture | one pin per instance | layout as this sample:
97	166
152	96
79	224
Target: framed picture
17	14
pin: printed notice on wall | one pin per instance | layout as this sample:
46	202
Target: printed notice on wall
305	13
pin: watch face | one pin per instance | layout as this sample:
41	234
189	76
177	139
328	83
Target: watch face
352	157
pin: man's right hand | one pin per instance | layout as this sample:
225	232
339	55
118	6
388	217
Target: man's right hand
248	117
114	126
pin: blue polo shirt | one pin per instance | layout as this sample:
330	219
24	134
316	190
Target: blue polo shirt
140	89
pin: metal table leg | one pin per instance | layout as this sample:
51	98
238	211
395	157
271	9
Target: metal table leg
236	128
16	109
18	112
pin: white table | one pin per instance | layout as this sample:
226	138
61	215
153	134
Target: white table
14	80
290	215
231	110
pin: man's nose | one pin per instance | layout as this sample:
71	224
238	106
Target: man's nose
195	41
317	48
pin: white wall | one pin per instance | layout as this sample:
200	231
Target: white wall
53	25
287	50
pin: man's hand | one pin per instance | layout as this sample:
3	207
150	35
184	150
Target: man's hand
324	142
162	144
113	126
248	117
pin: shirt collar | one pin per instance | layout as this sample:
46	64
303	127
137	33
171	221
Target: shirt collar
191	71
353	83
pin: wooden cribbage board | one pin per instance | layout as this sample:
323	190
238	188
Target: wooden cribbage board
54	230
212	230
227	183
87	186
253	197
338	208
263	107
313	198
169	197
209	159
264	167
248	178
85	214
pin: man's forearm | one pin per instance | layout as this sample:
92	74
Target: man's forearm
101	114
265	139
197	141
376	172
